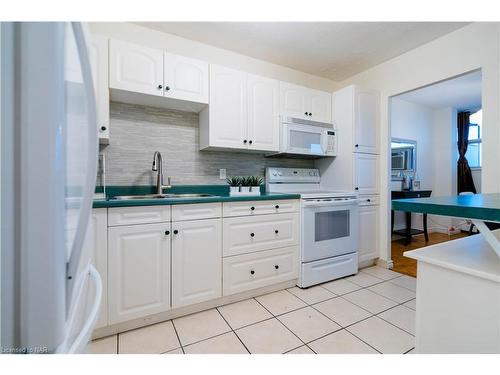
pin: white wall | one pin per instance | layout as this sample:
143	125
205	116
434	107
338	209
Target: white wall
475	46
186	47
445	156
414	121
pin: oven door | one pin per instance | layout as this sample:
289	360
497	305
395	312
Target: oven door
329	228
303	139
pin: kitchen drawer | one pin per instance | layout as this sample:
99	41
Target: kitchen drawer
251	271
260	207
183	212
323	270
248	234
138	215
369	200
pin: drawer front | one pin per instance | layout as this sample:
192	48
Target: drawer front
138	215
260	207
243	235
251	271
183	212
369	200
323	270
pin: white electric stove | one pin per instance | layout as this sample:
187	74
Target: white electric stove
329	225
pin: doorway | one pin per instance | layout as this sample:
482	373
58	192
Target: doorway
423	159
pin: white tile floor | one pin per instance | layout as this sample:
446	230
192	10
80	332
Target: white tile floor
372	312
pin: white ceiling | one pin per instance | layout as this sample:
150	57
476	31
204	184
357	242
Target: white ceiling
334	50
462	93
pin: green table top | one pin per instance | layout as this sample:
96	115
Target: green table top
478	206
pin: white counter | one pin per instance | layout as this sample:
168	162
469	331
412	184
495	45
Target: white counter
458	297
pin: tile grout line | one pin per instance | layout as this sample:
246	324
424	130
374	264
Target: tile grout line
233	331
178	338
276	317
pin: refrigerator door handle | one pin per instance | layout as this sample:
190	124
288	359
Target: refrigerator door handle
82	338
88	189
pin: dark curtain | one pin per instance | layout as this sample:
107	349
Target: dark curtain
464	174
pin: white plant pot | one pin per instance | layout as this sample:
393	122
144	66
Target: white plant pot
245	189
255	189
234	189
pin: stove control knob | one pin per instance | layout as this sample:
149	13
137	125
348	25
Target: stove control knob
280	174
275	173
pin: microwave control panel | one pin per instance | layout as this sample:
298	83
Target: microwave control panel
331	147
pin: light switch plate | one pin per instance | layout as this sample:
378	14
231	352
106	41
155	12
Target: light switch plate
222	173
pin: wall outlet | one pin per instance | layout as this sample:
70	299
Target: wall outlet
222	173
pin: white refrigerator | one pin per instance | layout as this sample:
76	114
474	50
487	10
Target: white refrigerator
50	291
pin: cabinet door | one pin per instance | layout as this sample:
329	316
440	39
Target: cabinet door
98	56
186	78
366	119
228	108
366	173
96	243
294	101
139	271
135	68
263	118
196	261
320	106
368	233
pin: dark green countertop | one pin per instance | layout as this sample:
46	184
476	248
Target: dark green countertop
221	193
478	206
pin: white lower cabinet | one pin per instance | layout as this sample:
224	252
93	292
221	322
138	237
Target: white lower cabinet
368	231
158	258
139	271
257	270
196	261
248	234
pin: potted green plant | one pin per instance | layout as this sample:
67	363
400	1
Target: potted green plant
245	184
255	182
234	184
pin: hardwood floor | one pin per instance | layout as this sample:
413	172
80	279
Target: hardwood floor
408	266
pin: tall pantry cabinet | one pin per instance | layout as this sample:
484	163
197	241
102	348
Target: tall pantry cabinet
356	115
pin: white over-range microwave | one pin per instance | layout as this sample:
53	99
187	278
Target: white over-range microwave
307	138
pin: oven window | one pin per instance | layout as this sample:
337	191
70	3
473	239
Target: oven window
306	141
330	225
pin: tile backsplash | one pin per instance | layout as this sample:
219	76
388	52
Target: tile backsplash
136	132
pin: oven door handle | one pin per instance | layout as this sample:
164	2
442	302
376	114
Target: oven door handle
347	202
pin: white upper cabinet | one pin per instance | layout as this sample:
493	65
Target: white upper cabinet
185	78
263	117
366	174
320	106
196	261
243	112
302	102
135	68
227	122
98	56
366	119
294	101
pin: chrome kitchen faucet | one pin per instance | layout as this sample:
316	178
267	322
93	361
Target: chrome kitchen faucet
158	166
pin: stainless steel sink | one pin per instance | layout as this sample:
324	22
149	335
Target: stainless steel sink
161	196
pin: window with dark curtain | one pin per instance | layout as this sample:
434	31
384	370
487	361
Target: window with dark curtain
464	174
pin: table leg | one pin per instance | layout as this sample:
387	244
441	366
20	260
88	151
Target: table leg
408	228
426	235
392	221
488	235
